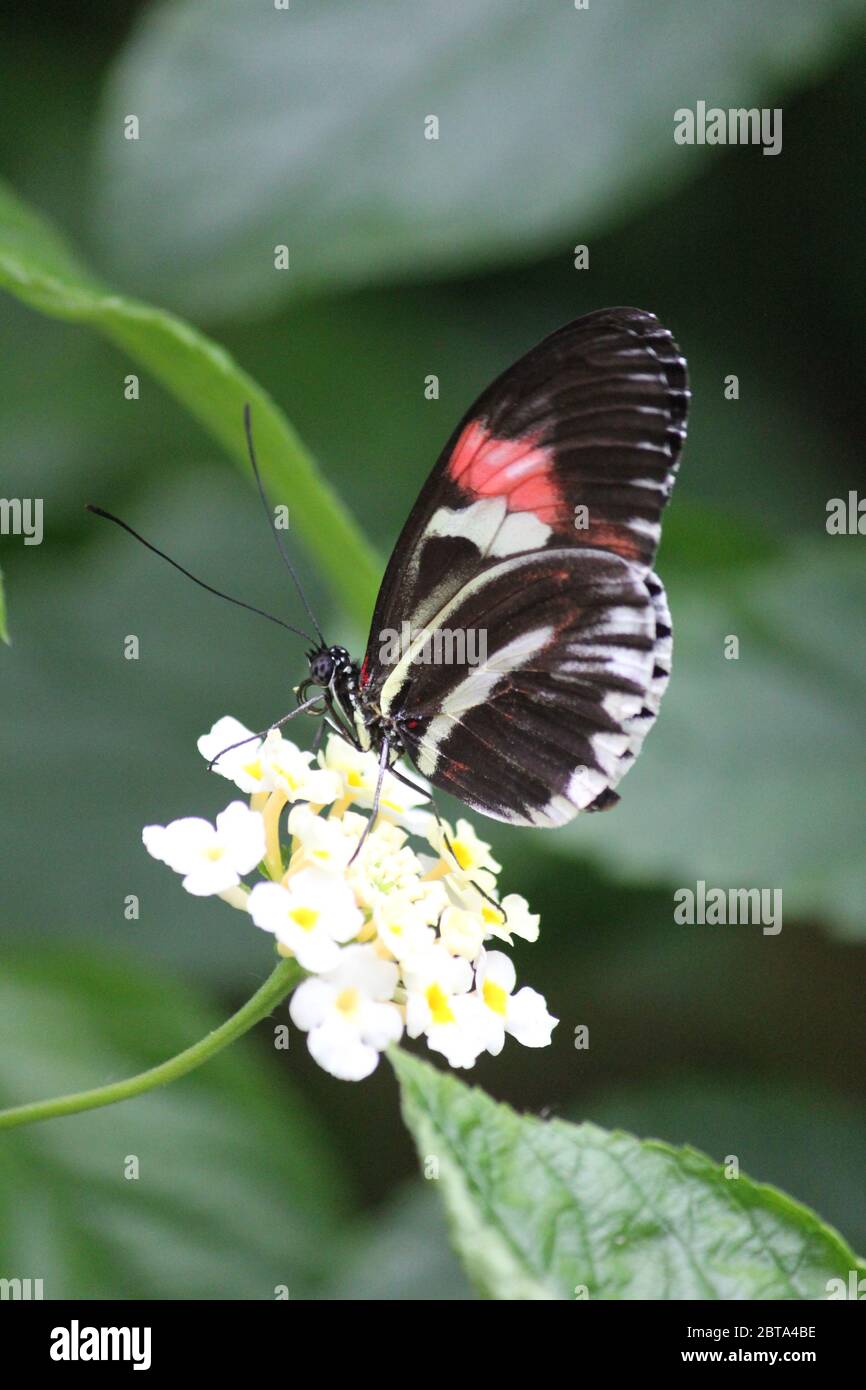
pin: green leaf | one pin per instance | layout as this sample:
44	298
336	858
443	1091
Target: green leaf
322	146
4	628
806	1138
237	1191
746	779
542	1209
36	266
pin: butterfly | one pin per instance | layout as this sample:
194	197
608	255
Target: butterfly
521	642
537	528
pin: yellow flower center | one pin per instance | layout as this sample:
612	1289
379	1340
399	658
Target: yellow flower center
492	915
461	854
439	1006
287	776
495	997
347	1002
306	917
254	769
355	779
215	853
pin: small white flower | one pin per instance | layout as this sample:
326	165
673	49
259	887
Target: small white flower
346	1013
524	1015
438	1005
327	844
310	915
402	926
405	806
462	931
433	899
267	765
467	856
504	921
385	865
519	921
289	770
212	859
462	1039
244	765
359	773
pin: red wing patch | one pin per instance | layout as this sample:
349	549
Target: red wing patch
521	470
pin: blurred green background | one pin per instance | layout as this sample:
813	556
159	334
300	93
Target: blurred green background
408	258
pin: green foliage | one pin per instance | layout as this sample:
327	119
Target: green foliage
402	1253
796	1135
322	147
36	266
236	1188
542	1209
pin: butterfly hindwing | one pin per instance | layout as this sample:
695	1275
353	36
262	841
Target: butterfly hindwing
548	706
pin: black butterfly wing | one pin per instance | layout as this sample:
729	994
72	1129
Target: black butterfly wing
535	533
591	418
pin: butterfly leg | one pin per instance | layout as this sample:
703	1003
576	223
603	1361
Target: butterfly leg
383	763
338	724
319	732
264	732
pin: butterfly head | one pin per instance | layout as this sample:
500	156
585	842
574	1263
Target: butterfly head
326	663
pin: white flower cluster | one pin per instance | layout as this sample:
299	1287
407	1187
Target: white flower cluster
395	937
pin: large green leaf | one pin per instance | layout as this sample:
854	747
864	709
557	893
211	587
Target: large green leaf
553	121
37	266
804	1137
237	1191
541	1209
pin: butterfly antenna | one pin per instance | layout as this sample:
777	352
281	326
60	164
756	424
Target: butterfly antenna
100	511
248	427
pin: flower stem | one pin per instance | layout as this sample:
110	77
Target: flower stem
273	854
279	983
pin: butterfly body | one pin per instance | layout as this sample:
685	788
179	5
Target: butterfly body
521	642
